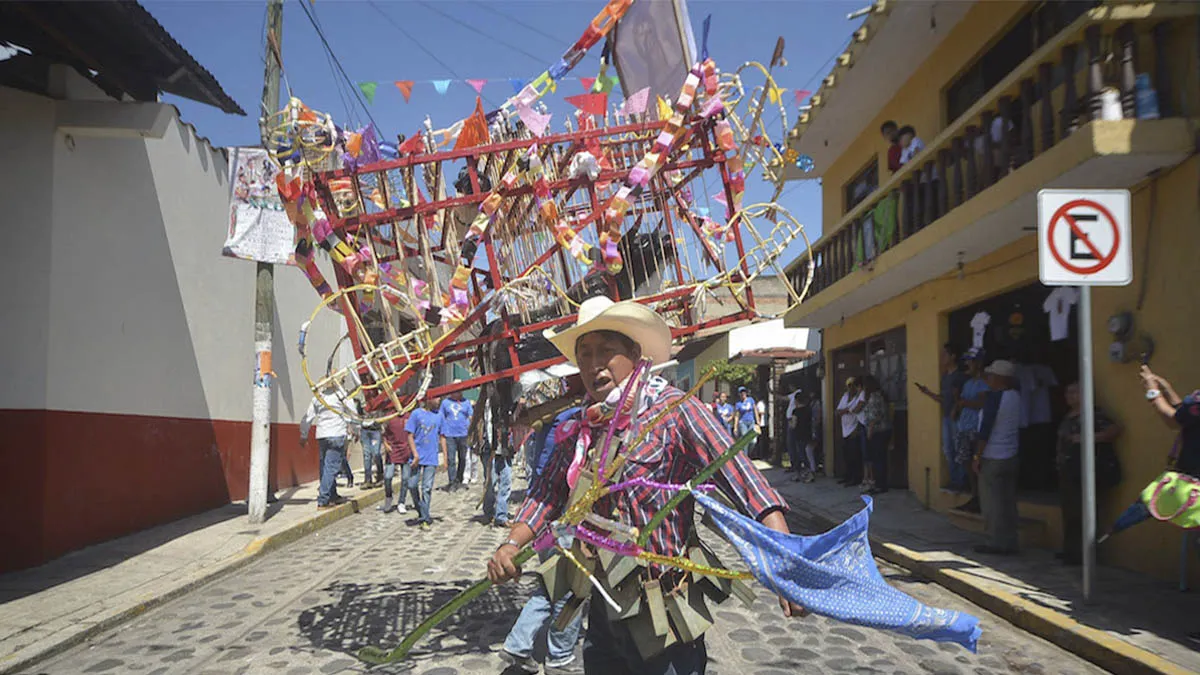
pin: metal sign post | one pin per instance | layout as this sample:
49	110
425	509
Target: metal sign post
1084	241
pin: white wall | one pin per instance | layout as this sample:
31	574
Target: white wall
122	302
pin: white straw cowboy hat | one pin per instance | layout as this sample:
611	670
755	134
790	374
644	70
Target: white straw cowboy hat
631	319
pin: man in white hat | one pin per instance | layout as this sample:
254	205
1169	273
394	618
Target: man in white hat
996	459
607	342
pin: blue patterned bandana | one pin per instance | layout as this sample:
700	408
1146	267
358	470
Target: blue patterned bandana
834	575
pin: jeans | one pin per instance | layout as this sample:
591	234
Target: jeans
389	472
456	458
744	427
372	441
998	501
424	476
795	450
333	455
610	649
958	472
536	616
497	491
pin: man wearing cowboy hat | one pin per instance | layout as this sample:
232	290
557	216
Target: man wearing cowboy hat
606	344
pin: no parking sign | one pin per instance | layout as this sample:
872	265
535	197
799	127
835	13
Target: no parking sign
1084	238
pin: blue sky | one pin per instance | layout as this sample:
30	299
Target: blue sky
490	39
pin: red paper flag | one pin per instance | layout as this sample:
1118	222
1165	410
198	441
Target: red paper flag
405	87
587	82
477	85
802	94
475	129
592	104
414	145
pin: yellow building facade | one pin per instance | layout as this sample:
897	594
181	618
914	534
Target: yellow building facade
907	261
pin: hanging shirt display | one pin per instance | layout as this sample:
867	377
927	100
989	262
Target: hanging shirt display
979	324
1058	306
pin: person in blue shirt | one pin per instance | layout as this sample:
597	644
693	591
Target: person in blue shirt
456	414
725	412
539	612
424	427
747	413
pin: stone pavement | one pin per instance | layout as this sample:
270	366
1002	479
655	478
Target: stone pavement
46	608
370	578
1132	624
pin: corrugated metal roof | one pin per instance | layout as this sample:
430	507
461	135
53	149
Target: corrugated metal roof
116	44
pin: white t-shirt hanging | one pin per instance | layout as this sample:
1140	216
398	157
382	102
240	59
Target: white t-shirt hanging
1058	306
979	324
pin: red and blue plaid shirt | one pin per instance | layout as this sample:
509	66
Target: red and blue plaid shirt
676	449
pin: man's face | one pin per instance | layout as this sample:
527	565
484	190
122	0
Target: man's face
889	134
604	362
906	140
432	403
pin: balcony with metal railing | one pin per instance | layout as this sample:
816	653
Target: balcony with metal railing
1106	102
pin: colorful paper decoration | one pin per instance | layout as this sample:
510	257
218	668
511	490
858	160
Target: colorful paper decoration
802	94
587	82
475	129
477	85
636	103
368	90
517	84
805	163
664	109
608	83
441	85
592	104
774	93
533	120
405	87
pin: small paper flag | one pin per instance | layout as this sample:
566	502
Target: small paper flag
517	84
609	82
405	87
477	85
802	94
587	82
664	109
441	86
720	199
368	90
535	121
773	93
592	104
475	129
636	103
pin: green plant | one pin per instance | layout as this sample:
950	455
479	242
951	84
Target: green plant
733	374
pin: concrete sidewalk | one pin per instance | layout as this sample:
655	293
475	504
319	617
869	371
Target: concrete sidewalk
46	609
1133	625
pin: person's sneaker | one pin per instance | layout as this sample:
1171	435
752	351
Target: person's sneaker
501	525
386	506
572	667
525	663
326	507
424	526
401	508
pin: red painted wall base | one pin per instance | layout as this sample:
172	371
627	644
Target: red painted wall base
71	479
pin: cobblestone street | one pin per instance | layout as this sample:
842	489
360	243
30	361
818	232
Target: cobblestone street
370	578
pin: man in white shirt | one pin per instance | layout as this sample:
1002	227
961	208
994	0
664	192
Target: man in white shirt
331	419
996	460
850	412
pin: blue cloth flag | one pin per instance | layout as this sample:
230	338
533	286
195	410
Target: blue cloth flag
517	84
834	575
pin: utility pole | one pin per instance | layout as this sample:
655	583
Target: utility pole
264	301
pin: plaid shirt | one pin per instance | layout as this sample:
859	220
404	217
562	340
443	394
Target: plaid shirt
676	449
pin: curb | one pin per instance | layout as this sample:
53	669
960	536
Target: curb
1101	649
253	550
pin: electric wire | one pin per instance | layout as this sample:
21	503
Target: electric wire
493	38
556	38
321	34
428	52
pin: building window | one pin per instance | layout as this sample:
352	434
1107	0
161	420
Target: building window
862	185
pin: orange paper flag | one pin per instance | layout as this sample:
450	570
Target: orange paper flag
405	87
592	104
475	129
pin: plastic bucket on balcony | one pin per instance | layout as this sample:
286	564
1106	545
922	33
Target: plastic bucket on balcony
1147	98
1110	105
